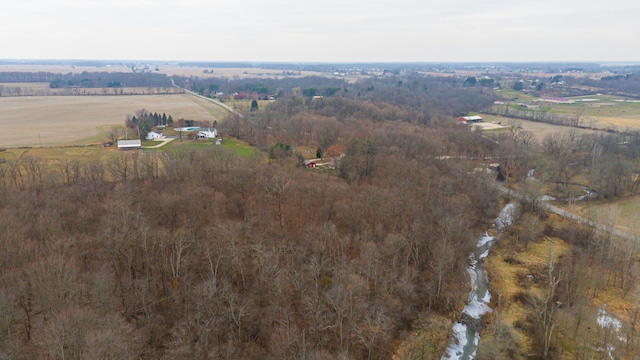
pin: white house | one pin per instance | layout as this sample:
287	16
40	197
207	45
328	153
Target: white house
207	134
152	135
129	144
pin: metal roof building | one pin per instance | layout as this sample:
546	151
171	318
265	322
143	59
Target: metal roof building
129	144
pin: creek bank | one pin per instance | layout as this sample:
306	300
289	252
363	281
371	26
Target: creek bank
466	330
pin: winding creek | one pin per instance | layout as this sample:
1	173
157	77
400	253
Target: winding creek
465	338
466	335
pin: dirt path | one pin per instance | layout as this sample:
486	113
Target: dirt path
163	142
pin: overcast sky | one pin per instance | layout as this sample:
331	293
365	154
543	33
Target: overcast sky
324	31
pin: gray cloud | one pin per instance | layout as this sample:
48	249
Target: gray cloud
352	30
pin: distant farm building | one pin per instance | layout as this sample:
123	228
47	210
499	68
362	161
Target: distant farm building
557	100
470	119
129	144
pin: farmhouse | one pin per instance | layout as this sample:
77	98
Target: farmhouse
207	134
129	144
152	135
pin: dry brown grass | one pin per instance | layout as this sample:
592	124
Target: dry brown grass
426	342
517	274
514	275
56	120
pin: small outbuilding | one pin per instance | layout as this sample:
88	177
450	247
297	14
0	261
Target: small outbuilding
129	144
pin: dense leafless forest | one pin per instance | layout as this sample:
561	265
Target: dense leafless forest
206	255
203	254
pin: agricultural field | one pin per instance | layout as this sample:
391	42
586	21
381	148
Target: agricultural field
84	154
598	111
619	114
67	120
61	69
43	89
539	129
236	73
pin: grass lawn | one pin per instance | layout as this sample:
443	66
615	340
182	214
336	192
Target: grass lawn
627	209
245	105
239	147
510	94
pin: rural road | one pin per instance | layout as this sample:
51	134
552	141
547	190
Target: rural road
223	105
569	215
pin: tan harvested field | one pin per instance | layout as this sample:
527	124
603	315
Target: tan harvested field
602	111
60	120
43	89
539	129
163	69
62	69
477	73
620	123
229	72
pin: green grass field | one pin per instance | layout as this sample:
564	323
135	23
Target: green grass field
628	209
245	105
240	148
90	154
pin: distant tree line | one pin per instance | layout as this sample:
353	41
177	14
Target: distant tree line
427	97
89	79
262	87
620	84
11	77
507	110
